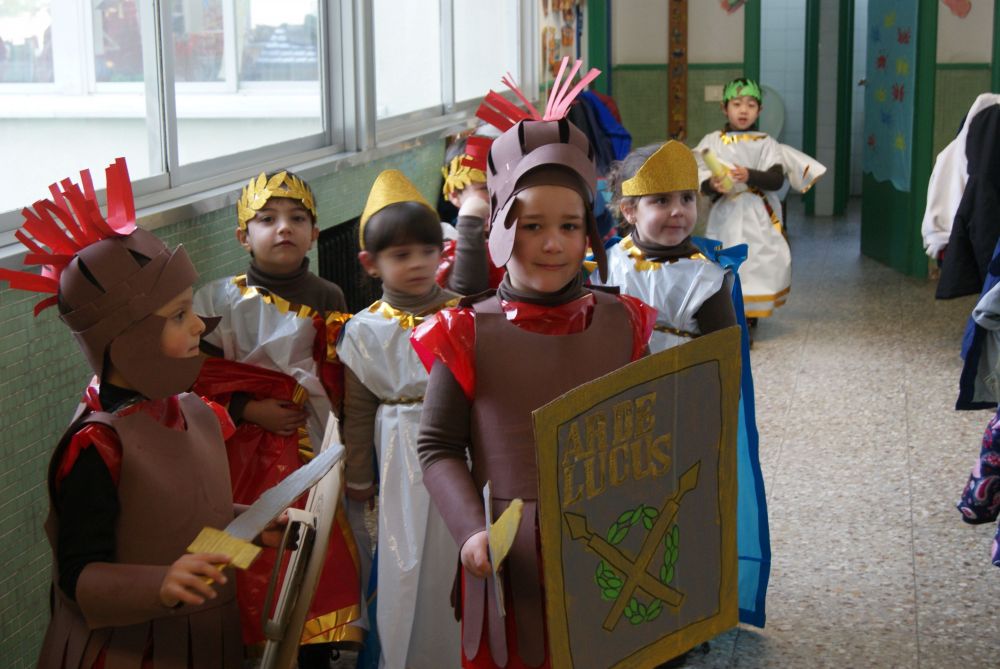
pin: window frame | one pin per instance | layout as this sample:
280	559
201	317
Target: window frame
351	134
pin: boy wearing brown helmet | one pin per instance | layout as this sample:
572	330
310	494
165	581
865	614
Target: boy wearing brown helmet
501	355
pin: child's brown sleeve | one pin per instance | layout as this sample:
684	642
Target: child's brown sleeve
445	436
360	407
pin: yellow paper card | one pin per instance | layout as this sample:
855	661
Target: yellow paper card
210	540
502	532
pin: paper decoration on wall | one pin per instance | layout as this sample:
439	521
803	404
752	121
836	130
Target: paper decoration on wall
560	36
677	71
959	8
890	84
731	5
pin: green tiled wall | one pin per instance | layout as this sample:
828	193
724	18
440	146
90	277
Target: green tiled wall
641	94
705	117
42	373
956	88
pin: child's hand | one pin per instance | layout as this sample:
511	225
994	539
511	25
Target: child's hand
739	174
476	554
275	415
185	582
362	494
475	206
270	536
718	183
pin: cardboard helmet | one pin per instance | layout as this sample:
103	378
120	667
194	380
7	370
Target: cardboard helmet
108	278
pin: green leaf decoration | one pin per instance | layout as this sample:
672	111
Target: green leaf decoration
614	582
654	610
647	522
650	512
637	619
636	516
670	574
618	536
609	594
663	573
624	518
675	534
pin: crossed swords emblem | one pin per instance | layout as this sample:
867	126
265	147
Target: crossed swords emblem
635	571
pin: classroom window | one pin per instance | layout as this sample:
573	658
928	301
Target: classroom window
197	94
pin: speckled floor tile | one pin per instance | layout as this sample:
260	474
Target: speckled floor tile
864	458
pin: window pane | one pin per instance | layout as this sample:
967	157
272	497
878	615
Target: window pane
198	40
477	68
117	42
407	56
25	42
50	132
277	95
278	41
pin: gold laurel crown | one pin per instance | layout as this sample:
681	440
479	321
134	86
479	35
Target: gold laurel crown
458	176
258	191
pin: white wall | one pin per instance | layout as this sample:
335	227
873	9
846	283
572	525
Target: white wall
713	35
965	40
639	31
782	60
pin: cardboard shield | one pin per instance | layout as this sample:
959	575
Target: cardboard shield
637	507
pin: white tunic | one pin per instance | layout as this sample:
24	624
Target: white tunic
257	329
416	554
753	217
677	289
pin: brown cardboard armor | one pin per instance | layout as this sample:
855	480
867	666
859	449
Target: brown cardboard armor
172	484
115	317
503	449
534	153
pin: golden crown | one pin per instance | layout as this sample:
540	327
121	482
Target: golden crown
258	191
670	169
458	176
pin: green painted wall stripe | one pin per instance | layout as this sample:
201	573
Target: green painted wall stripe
963	66
714	66
845	90
624	67
810	97
923	132
637	67
599	42
751	39
995	74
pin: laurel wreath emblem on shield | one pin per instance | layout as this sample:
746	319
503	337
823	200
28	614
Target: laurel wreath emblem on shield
610	581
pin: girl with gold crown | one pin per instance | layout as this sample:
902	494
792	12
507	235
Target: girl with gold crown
742	170
695	288
276	369
400	238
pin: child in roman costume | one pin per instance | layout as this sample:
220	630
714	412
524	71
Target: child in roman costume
277	371
465	264
693	284
142	467
498	356
400	240
746	207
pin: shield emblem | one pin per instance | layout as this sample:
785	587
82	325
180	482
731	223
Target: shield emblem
637	507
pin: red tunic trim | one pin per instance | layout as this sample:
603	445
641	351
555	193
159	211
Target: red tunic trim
105	440
450	335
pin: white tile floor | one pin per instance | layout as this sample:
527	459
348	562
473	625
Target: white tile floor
864	458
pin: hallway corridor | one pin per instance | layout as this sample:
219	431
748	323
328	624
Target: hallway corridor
864	459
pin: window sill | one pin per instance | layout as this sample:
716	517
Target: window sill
174	205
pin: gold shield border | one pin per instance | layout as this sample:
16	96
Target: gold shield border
722	346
